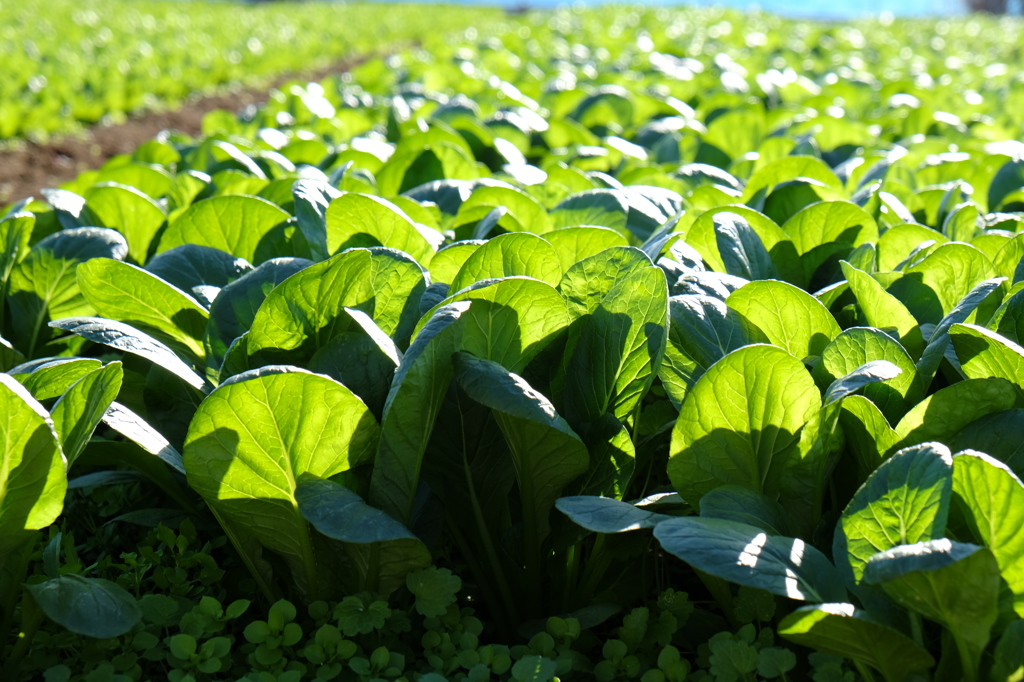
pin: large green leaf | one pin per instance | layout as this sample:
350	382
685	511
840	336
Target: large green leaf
511	320
417	393
790	317
991	498
702	236
995	435
339	513
739	423
191	265
235	224
32	480
128	294
598	207
932	287
130	212
364	220
88	606
398	283
235	307
80	410
941	415
953	583
126	338
507	255
705	329
614	353
311	198
523	213
742	251
884	311
984	353
48	379
824	232
869	438
251	440
606	515
858	345
573	244
746	555
15	234
303	313
843	630
906	500
546	453
44	286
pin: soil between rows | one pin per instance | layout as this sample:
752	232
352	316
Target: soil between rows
29	167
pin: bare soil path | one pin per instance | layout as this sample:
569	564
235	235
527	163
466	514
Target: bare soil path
29	167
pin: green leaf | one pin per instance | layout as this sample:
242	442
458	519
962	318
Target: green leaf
507	255
312	198
983	353
906	500
1008	180
615	351
546	453
703	237
607	515
899	241
15	233
1008	657
307	310
941	415
573	244
364	220
748	556
736	503
884	311
953	583
130	212
511	320
868	434
80	410
339	513
235	307
939	340
597	207
251	440
435	589
134	428
44	287
859	345
191	265
705	329
447	262
790	317
523	213
32	480
843	630
417	393
743	253
990	496
398	283
235	224
824	232
130	340
932	288
128	294
87	606
49	379
739	423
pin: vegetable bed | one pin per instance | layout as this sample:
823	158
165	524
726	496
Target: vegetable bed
615	345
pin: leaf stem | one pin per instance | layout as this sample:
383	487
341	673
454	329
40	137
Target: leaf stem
31	619
865	671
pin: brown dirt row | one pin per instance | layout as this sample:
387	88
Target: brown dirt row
28	167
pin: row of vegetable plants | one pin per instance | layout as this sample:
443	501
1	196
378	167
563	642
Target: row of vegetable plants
70	64
568	350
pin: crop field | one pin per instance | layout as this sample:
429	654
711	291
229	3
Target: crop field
665	345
